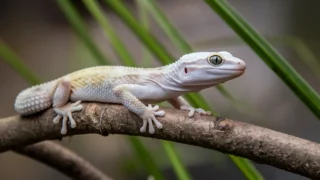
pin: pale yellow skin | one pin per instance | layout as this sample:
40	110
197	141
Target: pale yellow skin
132	87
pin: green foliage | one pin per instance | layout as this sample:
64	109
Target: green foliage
110	33
273	59
177	164
80	28
156	47
128	60
268	54
146	158
247	168
10	57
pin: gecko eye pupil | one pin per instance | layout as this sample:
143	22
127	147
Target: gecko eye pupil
215	60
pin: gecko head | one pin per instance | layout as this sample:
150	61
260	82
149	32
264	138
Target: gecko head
209	68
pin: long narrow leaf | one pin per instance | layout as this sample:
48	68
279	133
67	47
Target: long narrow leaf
14	61
181	172
115	41
155	47
80	28
144	21
75	19
246	167
150	42
177	39
128	60
268	54
146	158
173	34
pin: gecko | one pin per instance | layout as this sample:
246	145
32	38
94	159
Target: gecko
134	87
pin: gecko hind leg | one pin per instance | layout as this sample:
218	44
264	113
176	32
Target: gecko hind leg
65	113
61	106
192	110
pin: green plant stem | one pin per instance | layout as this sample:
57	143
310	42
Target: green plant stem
80	28
160	52
146	158
150	42
128	60
181	172
178	40
115	41
268	54
10	57
247	168
144	20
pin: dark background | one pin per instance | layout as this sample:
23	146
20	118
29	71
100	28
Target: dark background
38	31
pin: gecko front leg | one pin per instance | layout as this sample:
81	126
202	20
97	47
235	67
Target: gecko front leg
147	113
61	106
181	103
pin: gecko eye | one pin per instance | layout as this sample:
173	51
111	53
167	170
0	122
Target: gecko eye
215	60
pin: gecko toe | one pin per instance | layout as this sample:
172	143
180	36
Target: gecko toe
144	126
159	113
151	128
66	112
73	123
157	123
191	113
64	125
156	107
56	120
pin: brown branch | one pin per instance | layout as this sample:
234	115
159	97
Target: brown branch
259	144
62	160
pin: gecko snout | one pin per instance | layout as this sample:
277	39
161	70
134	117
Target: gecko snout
241	64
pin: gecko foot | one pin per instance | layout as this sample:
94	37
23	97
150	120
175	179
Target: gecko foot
149	116
65	112
192	110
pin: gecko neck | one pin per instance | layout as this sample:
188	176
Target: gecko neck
171	79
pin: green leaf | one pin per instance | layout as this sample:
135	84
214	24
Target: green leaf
164	56
144	19
10	57
246	167
115	41
150	42
146	158
80	28
178	167
141	32
128	60
268	54
178	40
173	34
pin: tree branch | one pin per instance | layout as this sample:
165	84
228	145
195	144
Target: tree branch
259	144
62	160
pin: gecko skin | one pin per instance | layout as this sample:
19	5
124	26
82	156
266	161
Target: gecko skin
135	88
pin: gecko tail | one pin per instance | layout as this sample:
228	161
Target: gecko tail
32	100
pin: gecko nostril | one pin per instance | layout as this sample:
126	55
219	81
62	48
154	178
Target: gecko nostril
239	63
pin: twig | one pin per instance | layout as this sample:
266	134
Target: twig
63	160
259	144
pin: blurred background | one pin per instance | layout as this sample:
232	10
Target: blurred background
39	33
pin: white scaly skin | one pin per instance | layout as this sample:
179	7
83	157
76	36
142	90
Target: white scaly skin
132	87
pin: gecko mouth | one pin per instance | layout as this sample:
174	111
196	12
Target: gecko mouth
232	69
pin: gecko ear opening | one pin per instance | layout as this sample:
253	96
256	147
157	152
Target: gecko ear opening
188	69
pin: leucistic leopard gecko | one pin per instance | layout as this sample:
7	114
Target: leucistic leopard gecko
135	88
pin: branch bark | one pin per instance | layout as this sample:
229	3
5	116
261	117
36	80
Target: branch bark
256	143
62	160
